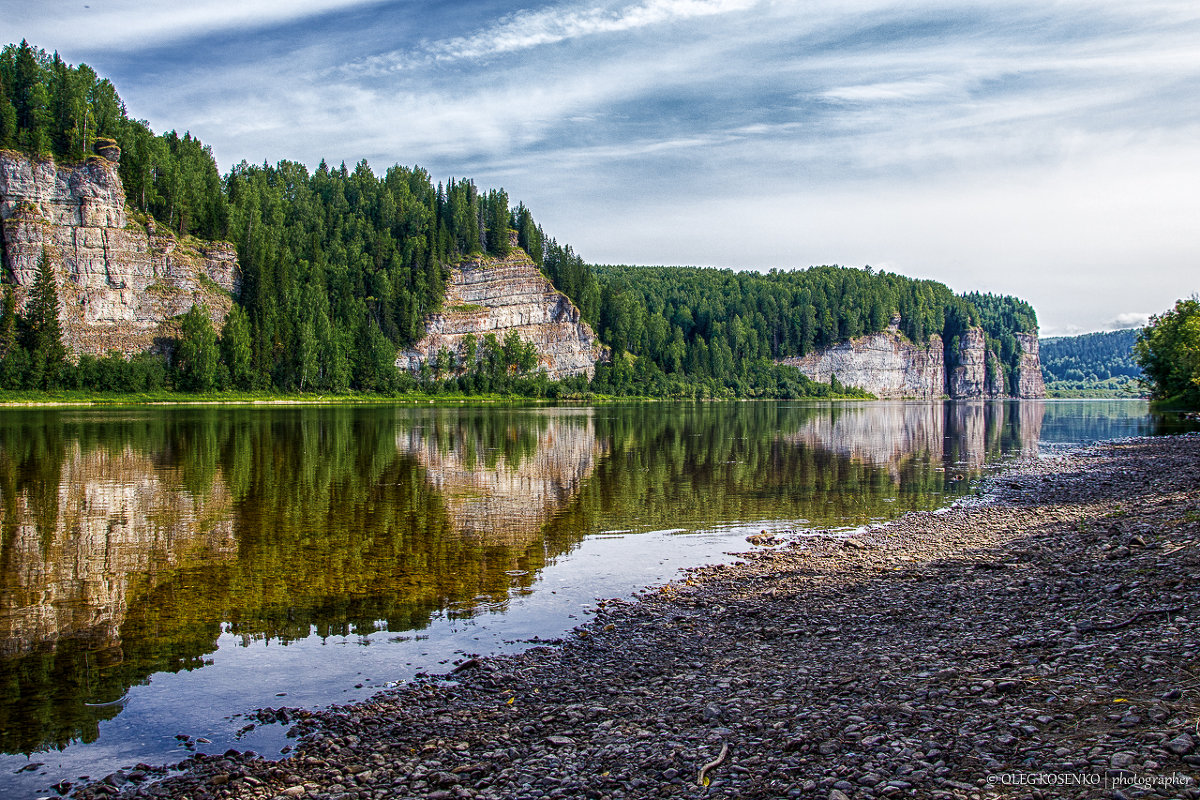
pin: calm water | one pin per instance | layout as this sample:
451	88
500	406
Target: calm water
169	571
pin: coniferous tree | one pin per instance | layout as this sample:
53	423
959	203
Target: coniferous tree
235	348
43	332
8	322
197	361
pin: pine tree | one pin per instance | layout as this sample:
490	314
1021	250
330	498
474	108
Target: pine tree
43	332
8	322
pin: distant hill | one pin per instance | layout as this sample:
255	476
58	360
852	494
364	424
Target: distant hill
1092	363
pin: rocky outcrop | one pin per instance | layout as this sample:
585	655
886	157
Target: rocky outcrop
886	364
1028	381
119	282
889	365
498	295
978	372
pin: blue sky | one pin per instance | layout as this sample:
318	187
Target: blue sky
1045	149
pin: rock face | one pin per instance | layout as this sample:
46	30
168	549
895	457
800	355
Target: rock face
496	296
886	364
118	282
1029	381
889	365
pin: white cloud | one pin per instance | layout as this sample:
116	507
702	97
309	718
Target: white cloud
525	29
882	92
72	24
1129	319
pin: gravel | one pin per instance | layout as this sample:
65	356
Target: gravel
1040	641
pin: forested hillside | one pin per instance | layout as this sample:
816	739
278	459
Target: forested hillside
727	327
340	266
1102	363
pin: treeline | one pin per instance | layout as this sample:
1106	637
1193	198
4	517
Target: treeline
725	329
339	268
1090	356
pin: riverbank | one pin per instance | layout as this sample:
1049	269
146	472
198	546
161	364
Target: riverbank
1040	642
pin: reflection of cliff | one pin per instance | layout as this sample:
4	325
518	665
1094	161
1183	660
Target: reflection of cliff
66	574
958	434
502	484
881	434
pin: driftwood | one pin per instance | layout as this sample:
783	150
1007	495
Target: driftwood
702	778
1113	626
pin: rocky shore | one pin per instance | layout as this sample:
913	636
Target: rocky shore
1040	641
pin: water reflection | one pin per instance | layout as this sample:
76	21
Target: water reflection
132	540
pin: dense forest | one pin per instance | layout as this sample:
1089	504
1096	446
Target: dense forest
340	267
726	328
1092	362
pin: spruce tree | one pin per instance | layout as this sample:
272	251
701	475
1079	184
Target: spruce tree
43	333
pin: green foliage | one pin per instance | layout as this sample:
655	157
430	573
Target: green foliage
42	330
197	361
1095	363
49	108
235	349
1002	317
1168	351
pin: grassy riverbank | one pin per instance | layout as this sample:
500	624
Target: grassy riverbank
1046	633
72	397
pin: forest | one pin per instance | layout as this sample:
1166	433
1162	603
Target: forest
340	266
1094	363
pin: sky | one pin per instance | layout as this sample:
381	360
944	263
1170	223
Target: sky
1048	149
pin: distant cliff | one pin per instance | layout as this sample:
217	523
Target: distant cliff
489	295
119	282
889	365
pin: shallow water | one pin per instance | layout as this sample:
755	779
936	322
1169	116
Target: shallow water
166	572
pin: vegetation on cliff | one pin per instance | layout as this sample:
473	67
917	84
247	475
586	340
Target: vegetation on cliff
1168	350
339	268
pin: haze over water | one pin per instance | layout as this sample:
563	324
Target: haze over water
170	571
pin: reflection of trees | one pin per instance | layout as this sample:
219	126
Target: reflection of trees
713	463
83	518
274	522
130	538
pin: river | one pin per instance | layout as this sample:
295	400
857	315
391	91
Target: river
169	571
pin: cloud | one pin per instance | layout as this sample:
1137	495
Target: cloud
527	29
58	24
1129	319
882	92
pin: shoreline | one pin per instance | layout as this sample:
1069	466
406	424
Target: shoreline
1033	643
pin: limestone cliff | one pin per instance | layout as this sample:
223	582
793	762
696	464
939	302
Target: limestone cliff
119	282
889	365
886	364
499	295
